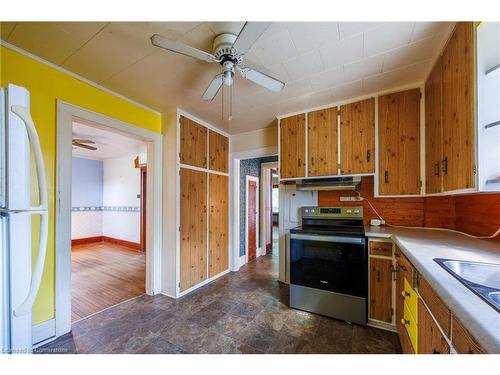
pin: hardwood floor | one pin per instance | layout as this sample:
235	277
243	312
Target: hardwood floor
104	274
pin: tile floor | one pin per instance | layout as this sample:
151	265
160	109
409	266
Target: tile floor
241	312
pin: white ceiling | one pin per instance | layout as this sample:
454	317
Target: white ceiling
109	145
320	62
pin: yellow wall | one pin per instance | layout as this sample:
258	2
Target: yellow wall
46	85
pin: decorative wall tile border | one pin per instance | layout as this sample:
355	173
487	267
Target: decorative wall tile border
107	208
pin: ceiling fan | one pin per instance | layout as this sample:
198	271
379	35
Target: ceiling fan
83	143
228	51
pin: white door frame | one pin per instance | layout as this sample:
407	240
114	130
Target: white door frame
66	113
235	261
265	191
257	239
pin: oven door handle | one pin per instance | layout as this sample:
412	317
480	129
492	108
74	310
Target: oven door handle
337	239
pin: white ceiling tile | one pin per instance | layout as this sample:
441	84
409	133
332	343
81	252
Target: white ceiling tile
414	73
413	53
304	65
342	52
348	90
274	48
53	41
424	30
384	38
363	68
347	29
310	35
226	27
327	79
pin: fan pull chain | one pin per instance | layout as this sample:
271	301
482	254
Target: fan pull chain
231	102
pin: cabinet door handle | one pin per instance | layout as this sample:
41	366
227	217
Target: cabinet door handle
378	276
436	168
368	155
444	166
436	351
299	162
405	294
312	160
405	322
386	177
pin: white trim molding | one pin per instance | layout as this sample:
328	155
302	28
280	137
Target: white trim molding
44	332
248	179
66	113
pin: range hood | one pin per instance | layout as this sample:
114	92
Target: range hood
334	183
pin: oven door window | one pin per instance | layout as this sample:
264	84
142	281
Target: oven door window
333	266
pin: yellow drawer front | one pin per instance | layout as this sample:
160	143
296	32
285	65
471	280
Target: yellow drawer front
411	327
411	298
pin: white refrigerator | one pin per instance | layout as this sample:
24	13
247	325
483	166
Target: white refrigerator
19	276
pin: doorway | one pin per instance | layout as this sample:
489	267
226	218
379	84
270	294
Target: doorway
148	261
252	217
108	252
270	208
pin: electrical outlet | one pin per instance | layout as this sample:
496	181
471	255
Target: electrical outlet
351	199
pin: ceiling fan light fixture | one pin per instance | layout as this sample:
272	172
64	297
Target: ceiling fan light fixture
228	77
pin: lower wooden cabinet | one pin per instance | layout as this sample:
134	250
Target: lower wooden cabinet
218	225
430	338
193	228
462	340
381	289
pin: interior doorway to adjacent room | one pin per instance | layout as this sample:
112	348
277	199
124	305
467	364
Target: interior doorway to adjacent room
108	219
270	207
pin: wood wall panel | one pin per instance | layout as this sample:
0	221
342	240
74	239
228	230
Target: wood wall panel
458	108
193	143
293	146
218	146
433	129
322	142
399	143
478	214
440	212
357	137
218	260
193	228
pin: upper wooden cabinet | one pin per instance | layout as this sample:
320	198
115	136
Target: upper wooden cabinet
458	109
193	143
322	139
218	146
293	146
399	143
357	137
433	129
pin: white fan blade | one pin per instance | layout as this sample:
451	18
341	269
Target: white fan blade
213	88
262	79
249	34
184	49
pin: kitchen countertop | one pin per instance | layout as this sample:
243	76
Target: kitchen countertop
421	246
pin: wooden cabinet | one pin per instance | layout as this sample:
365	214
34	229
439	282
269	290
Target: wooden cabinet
218	151
458	109
430	338
322	140
380	248
462	340
357	137
404	339
433	129
293	146
435	305
218	224
399	143
193	227
193	143
381	289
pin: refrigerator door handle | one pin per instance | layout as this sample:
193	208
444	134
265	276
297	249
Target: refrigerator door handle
23	113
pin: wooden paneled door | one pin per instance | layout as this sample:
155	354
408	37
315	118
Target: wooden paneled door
322	140
251	221
293	146
433	129
357	137
193	143
458	109
399	143
218	146
193	228
218	258
381	289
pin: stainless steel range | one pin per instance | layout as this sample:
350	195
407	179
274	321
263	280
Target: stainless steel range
329	263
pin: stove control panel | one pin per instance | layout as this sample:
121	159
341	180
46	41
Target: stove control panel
349	212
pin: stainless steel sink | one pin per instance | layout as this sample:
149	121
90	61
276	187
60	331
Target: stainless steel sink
481	278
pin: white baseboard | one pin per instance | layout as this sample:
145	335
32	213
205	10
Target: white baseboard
44	331
202	283
242	261
382	325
